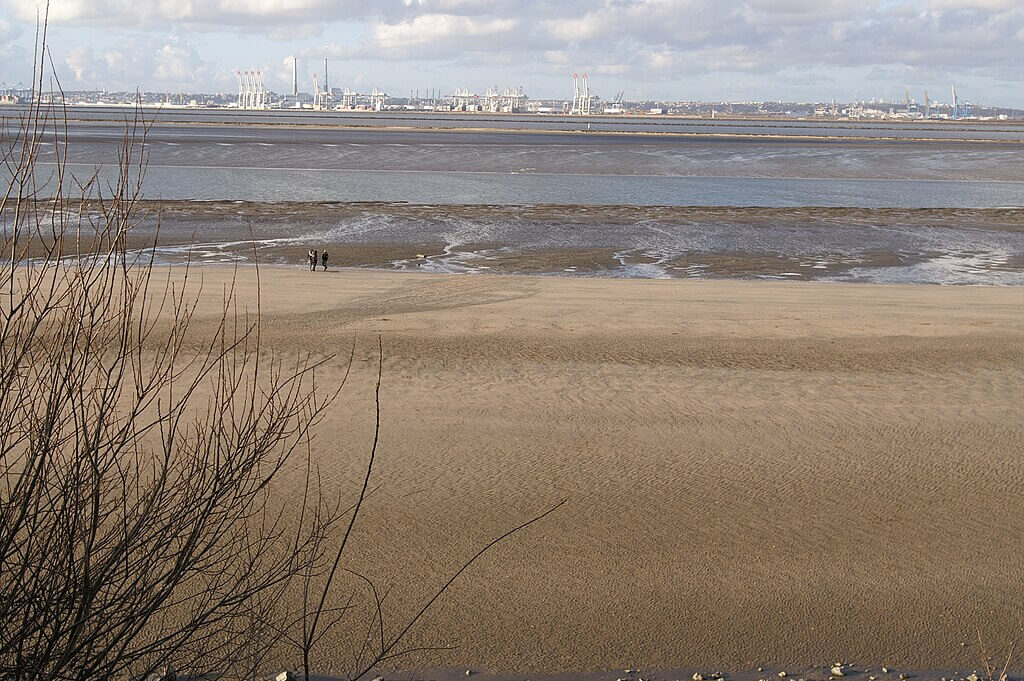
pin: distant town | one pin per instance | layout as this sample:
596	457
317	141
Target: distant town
252	95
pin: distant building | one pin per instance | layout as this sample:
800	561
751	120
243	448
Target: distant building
301	100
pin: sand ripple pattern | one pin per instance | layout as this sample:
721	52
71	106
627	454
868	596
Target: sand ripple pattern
756	475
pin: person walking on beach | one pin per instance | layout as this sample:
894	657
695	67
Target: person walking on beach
312	260
323	260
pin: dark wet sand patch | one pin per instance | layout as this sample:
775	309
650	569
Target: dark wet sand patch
622	241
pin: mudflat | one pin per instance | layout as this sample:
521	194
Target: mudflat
879	245
755	473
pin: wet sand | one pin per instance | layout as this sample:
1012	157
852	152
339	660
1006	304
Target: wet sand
962	246
782	475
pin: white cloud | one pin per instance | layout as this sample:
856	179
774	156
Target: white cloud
433	36
990	5
432	28
9	30
83	64
199	13
174	64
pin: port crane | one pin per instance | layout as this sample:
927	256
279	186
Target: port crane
321	98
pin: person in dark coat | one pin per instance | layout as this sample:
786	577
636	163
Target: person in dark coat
323	259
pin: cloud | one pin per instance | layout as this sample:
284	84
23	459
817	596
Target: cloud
176	63
201	14
173	64
672	39
9	30
13	55
85	66
432	36
428	29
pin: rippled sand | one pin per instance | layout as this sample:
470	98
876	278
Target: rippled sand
783	475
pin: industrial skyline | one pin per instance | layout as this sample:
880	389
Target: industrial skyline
254	94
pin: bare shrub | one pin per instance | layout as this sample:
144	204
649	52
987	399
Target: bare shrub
139	529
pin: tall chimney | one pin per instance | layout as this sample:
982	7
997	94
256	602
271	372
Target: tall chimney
295	76
327	82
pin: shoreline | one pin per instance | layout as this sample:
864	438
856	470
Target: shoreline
626	133
962	246
934	246
598	174
591	275
1016	212
765	673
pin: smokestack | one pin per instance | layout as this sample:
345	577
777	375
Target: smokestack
327	82
295	76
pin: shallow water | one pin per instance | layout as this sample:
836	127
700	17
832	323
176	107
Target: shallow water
280	163
460	188
882	246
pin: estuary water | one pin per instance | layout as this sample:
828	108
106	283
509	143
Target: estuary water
903	208
204	183
280	163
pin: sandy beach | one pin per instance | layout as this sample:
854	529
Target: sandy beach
755	474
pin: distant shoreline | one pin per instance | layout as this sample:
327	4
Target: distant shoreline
290	120
551	116
622	133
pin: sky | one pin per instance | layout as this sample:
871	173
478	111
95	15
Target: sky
708	50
